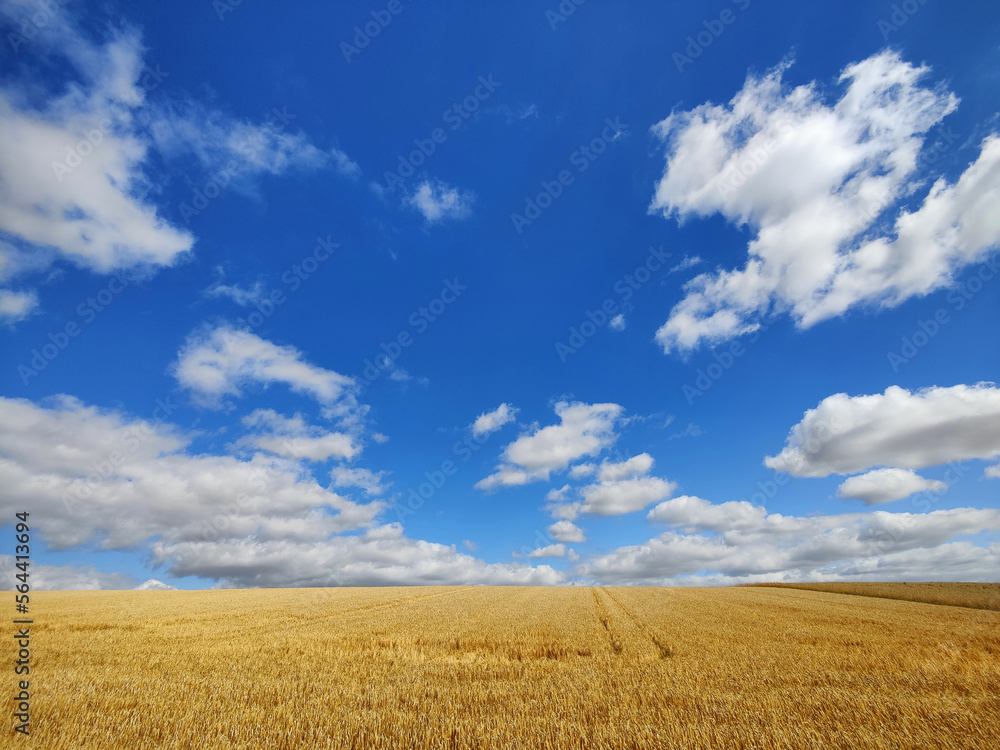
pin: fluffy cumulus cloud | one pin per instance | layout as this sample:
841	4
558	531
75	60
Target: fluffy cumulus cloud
696	513
820	185
293	437
76	174
101	477
621	487
96	475
64	577
583	430
738	542
637	466
437	202
154	585
624	496
220	362
552	550
567	531
886	485
954	561
371	482
381	556
491	421
992	472
71	169
899	428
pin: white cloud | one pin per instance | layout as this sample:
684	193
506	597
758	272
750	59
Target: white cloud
636	466
584	430
101	477
617	323
219	362
77	181
217	140
624	496
552	550
688	261
692	430
745	541
439	202
242	296
956	561
154	585
582	470
621	487
567	531
557	495
73	166
400	375
16	306
886	485
845	435
491	421
380	557
694	512
812	182
63	577
992	472
369	481
291	437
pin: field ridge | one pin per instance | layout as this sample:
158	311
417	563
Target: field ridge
969	595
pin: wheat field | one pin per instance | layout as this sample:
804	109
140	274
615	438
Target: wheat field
974	595
458	667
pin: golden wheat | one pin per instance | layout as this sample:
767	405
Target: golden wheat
509	668
973	595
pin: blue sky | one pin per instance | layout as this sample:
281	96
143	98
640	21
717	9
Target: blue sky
656	294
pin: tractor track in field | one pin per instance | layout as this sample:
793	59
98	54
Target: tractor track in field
664	650
602	616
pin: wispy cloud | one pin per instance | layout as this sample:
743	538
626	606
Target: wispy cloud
439	202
